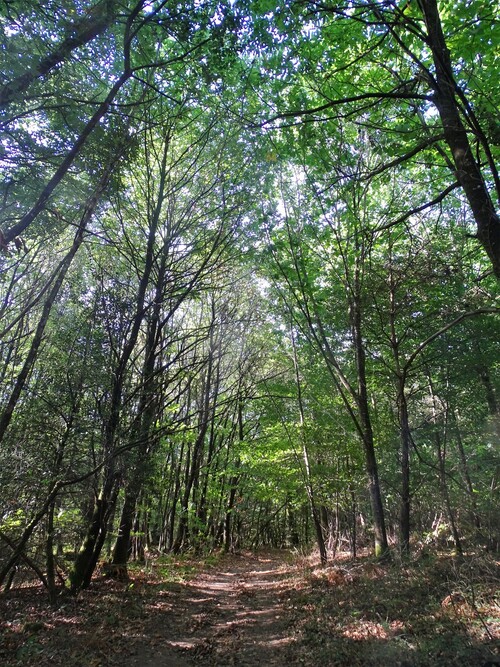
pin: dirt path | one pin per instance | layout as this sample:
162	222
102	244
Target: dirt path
232	615
260	610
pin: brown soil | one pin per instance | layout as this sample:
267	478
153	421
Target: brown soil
260	610
231	615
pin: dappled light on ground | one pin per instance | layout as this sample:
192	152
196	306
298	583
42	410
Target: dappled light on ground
265	609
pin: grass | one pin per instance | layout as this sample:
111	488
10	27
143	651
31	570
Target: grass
176	569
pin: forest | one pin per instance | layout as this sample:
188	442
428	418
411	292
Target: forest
249	284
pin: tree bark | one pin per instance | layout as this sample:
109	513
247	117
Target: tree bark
466	474
380	534
88	556
79	33
60	275
467	168
320	539
405	436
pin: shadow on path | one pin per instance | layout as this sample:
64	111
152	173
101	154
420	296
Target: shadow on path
232	615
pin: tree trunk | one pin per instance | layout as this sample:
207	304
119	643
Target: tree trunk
233	487
170	528
121	549
491	400
320	539
28	531
88	556
205	416
467	168
29	362
80	32
466	474
378	518
353	531
49	555
405	436
441	453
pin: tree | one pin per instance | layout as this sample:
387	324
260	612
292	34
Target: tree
405	72
236	266
304	287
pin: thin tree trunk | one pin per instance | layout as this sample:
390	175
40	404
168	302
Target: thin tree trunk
405	435
174	501
441	452
141	440
80	32
59	278
19	555
403	418
466	474
492	402
320	539
7	235
233	487
29	362
28	531
228	524
381	544
205	416
87	558
49	555
353	524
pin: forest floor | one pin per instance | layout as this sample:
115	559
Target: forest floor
264	609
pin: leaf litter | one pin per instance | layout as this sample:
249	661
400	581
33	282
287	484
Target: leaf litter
267	608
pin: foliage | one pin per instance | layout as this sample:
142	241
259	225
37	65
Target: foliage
249	280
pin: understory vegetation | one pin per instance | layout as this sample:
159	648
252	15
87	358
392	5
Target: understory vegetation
436	610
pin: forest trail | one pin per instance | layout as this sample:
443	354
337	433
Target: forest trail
264	609
231	615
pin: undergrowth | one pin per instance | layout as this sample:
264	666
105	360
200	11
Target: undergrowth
434	611
438	610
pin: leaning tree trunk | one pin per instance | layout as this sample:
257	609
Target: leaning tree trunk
58	281
88	556
86	560
18	550
142	439
467	167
